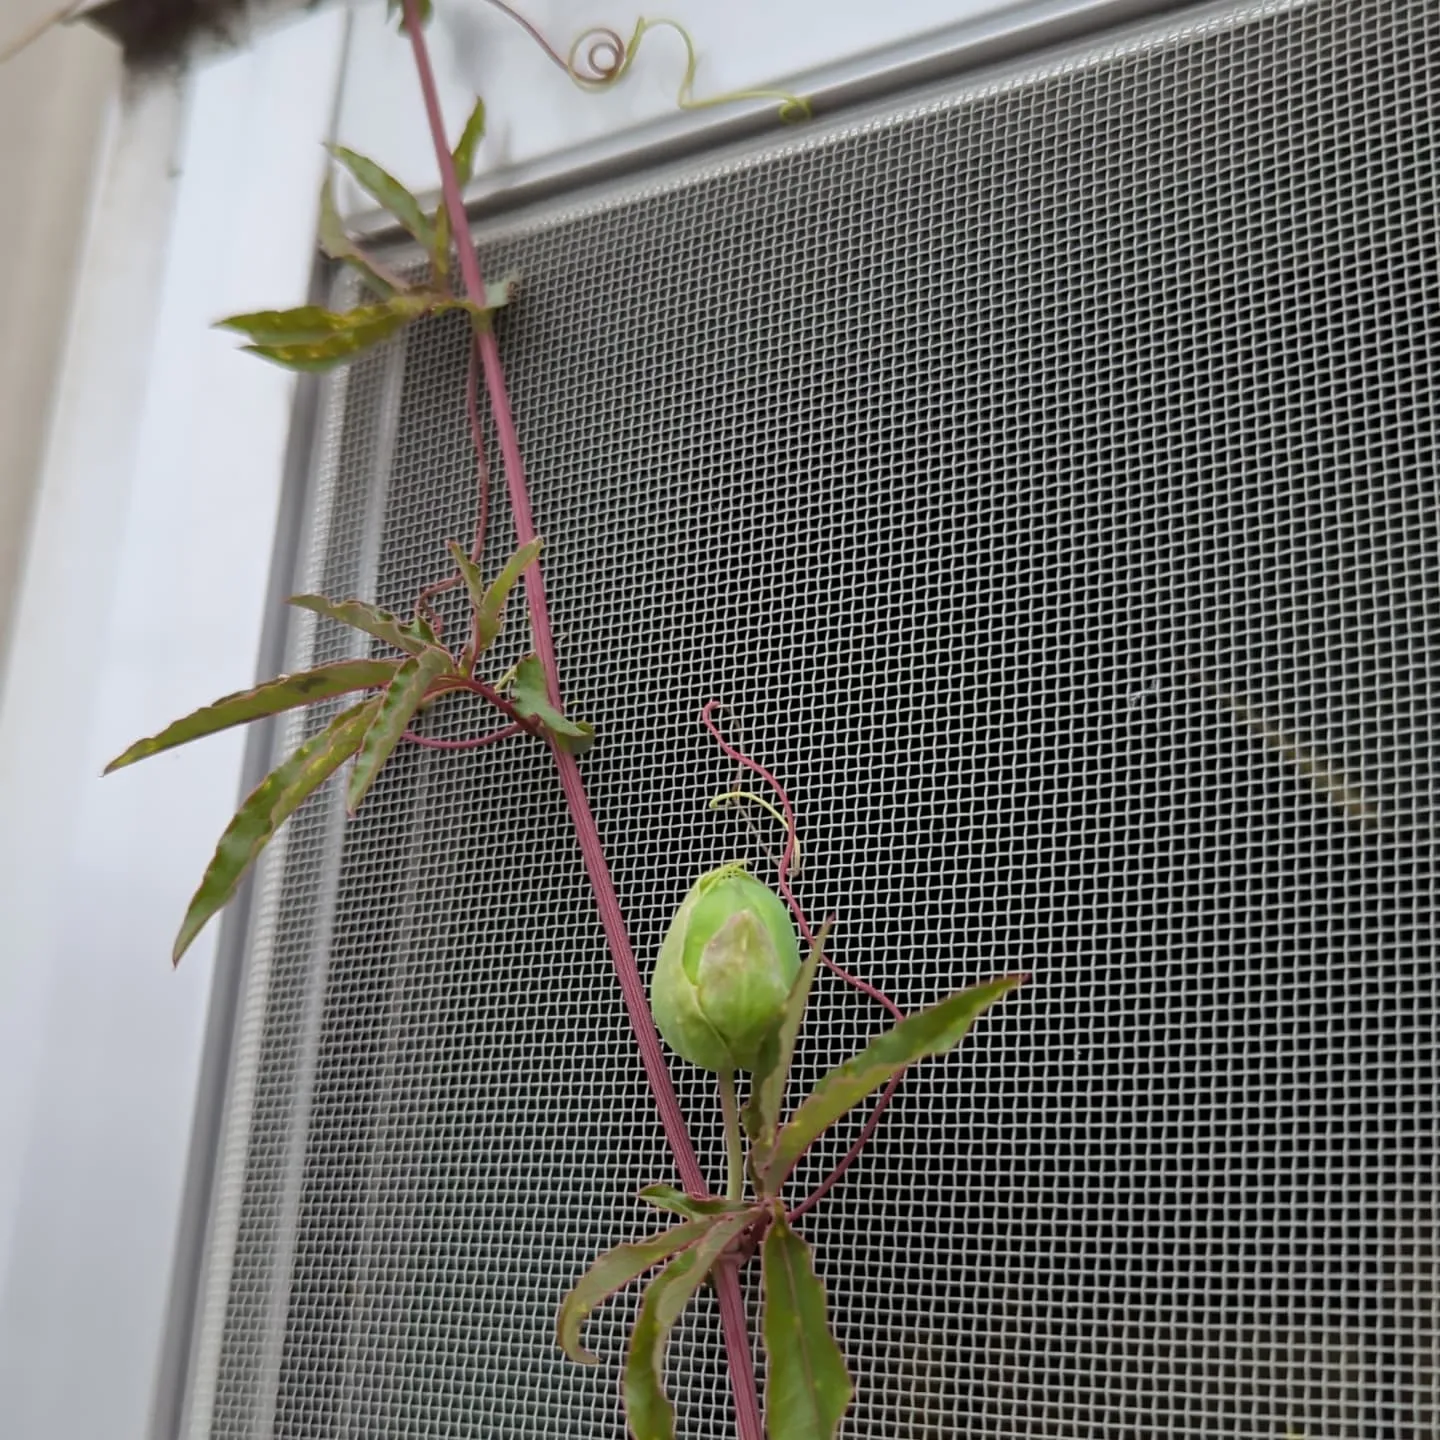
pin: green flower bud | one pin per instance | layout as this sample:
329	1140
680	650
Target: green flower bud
726	967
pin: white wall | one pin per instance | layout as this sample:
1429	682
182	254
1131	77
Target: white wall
58	97
143	597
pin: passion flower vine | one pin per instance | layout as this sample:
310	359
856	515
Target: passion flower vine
729	989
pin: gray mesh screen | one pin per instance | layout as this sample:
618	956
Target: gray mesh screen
1044	474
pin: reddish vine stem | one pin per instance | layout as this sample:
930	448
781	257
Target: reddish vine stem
861	1140
477	438
707	719
482	488
604	55
452	683
787	857
737	1340
473	744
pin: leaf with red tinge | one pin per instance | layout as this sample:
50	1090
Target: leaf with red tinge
767	1086
469	573
613	1271
667	1197
286	692
470	137
405	695
489	601
412	636
266	808
531	700
807	1387
647	1407
385	188
929	1032
337	244
492	603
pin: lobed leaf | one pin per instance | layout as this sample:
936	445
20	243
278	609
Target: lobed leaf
667	1197
464	152
532	701
266	808
612	1272
337	244
647	1407
385	188
403	697
286	692
412	636
767	1090
807	1387
932	1031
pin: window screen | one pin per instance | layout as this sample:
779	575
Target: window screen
1042	471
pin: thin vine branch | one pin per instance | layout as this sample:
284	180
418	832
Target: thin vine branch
423	606
741	1362
477	438
787	858
746	762
571	781
600	57
430	743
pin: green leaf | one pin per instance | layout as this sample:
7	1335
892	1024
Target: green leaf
807	1387
390	193
667	1197
338	245
403	697
310	338
613	1271
313	325
531	700
647	1407
767	1089
930	1032
470	573
490	602
266	808
412	636
283	693
419	628
470	137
